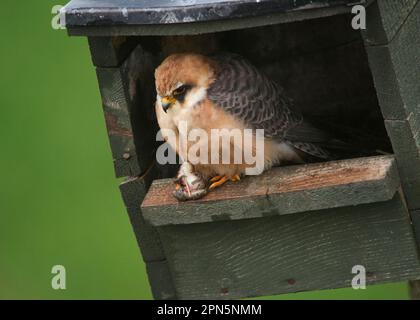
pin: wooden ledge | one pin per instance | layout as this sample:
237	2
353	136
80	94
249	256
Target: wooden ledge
282	190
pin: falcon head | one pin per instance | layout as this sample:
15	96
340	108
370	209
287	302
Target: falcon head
182	80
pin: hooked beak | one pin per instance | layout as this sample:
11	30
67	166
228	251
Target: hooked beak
167	102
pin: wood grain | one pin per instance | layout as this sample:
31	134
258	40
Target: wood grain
118	122
385	18
130	118
415	290
291	253
415	218
282	190
133	191
160	280
111	51
407	153
396	72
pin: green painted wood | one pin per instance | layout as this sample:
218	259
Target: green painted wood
415	218
130	117
110	51
133	191
117	117
415	285
160	280
407	153
282	190
385	18
147	237
396	72
415	290
291	253
207	27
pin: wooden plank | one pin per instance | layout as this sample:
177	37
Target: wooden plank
415	284
407	153
396	72
147	237
133	191
118	122
111	51
385	18
415	290
282	190
415	218
129	117
160	280
291	253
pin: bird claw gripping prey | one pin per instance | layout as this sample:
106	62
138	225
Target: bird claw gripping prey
189	185
192	186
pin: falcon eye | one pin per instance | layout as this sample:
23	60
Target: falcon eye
181	90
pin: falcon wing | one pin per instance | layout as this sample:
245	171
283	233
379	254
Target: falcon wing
247	94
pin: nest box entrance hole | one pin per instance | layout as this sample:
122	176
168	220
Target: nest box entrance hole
321	64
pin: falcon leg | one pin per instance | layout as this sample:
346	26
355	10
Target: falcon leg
216	178
235	178
217	181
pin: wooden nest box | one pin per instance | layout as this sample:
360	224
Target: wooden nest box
294	228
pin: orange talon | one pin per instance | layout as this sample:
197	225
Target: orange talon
219	182
177	186
235	178
215	178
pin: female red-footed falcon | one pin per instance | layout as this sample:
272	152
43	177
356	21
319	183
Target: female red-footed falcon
228	92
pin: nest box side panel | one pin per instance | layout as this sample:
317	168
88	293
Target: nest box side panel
393	44
415	285
127	98
415	290
291	253
407	152
124	73
133	191
385	18
396	70
160	280
415	216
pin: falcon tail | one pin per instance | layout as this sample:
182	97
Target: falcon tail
332	150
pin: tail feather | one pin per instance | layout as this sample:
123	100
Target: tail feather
312	150
331	151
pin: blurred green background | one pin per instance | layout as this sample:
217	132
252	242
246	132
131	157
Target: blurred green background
59	200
